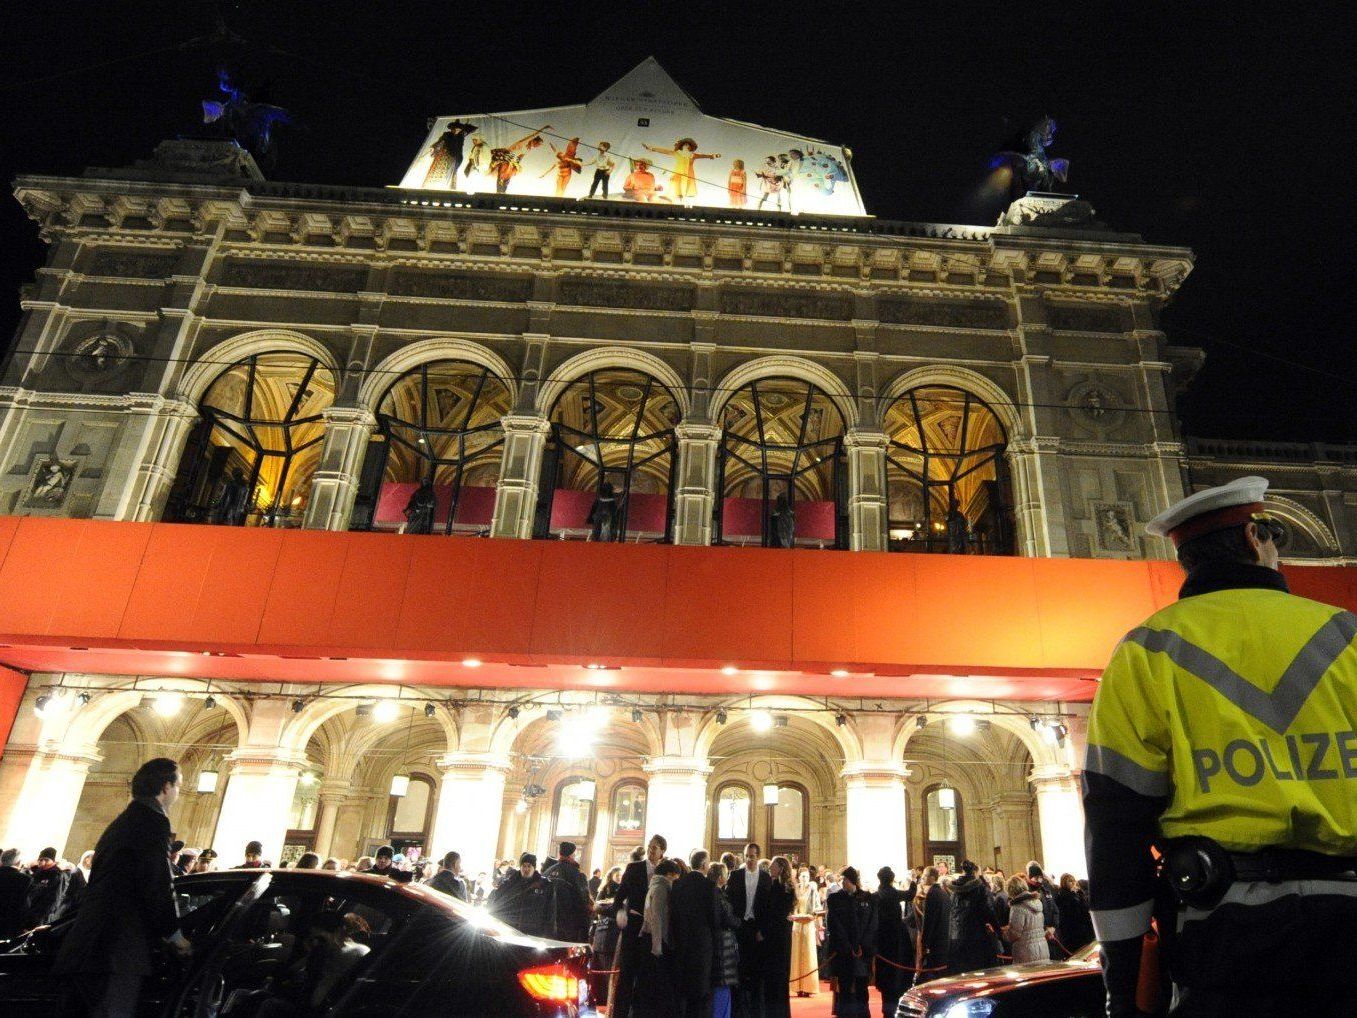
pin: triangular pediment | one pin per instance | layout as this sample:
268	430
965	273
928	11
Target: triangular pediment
648	84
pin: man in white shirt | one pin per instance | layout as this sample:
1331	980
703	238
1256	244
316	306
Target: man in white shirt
748	892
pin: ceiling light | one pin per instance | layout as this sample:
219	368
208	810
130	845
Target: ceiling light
962	724
947	798
521	806
298	706
730	670
385	710
471	662
83	698
840	673
721	717
585	790
210	703
167	705
770	795
429	710
760	721
513	713
308	778
921	720
400	785
636	715
363	710
207	782
782	721
841	719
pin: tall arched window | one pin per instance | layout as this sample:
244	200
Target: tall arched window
789	823
629	811
410	816
946	474
733	817
575	808
250	459
943	837
608	469
438	424
781	471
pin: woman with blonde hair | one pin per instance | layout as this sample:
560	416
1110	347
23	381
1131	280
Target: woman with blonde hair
1025	931
805	973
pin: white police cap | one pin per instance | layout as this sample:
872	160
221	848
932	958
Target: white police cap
1210	510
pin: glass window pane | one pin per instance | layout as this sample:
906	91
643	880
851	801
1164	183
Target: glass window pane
629	810
572	818
942	823
732	813
788	814
304	804
413	807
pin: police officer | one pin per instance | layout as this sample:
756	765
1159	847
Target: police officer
1224	734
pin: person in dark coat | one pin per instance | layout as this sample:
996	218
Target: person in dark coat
574	905
695	925
777	940
726	971
14	885
129	903
595	882
1075	929
449	878
973	923
526	901
47	895
933	906
748	891
628	910
850	935
896	954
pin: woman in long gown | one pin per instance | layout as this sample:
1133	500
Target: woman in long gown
777	941
805	973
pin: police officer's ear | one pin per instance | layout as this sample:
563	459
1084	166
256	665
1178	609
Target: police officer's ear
1259	540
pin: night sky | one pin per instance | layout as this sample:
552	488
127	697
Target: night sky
1227	128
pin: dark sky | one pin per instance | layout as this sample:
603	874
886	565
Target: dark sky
1226	127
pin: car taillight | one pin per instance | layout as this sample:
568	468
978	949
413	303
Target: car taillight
555	983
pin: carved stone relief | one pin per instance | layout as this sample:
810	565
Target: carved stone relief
48	483
776	304
971	315
274	276
600	293
461	286
132	264
1096	407
1113	524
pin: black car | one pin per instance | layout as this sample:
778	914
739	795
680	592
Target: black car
1039	989
255	944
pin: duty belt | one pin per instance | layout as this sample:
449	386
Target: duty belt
1274	865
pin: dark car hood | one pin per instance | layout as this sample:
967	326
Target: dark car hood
987	982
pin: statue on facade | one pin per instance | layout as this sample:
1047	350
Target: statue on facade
233	502
249	124
419	511
783	523
958	530
1029	163
603	514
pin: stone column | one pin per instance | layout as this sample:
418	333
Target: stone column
1060	811
695	495
257	803
335	482
1011	817
470	808
676	802
164	428
46	805
332	795
867	502
525	438
878	832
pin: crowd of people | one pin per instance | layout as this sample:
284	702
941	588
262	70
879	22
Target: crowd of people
696	937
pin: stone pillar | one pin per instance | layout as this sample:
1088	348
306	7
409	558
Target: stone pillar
470	808
335	482
164	428
878	832
695	495
525	438
867	501
1060	811
257	803
332	795
676	802
45	808
1011	818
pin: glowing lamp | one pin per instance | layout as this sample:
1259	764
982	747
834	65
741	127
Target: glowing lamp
962	724
167	705
400	785
761	721
584	791
770	795
385	710
947	798
207	782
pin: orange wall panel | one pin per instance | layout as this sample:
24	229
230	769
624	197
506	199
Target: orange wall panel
726	605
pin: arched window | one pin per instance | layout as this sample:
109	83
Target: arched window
250	459
733	817
946	474
789	823
410	815
943	840
781	471
629	811
608	470
575	808
437	424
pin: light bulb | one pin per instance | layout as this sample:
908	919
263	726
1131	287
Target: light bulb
761	721
962	724
385	710
167	705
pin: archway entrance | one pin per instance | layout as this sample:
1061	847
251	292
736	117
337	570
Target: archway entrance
781	470
249	460
607	473
946	474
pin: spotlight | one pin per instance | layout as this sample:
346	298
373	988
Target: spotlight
840	673
210	703
521	806
721	717
781	721
730	670
429	710
636	714
298	706
82	698
513	713
841	719
760	721
385	710
1037	723
167	704
471	662
363	710
553	715
962	724
308	778
41	704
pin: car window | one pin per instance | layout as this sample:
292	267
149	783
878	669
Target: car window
201	906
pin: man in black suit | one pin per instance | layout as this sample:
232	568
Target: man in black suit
574	906
628	910
695	921
129	903
14	887
748	890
